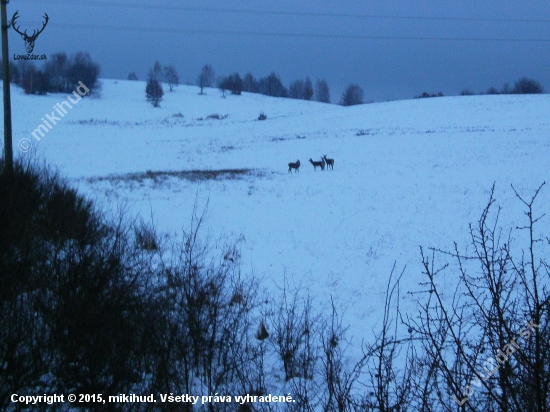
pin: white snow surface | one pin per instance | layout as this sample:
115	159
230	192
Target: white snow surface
406	174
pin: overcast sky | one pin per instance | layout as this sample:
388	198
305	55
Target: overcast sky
392	49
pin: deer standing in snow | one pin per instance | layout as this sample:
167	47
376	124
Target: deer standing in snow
320	164
295	166
330	162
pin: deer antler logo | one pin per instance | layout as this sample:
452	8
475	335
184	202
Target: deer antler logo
29	40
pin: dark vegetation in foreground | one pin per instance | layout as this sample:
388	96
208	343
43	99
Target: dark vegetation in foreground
94	305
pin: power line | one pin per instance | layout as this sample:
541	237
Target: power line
297	35
294	13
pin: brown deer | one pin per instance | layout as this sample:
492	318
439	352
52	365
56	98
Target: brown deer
29	40
295	166
320	164
330	162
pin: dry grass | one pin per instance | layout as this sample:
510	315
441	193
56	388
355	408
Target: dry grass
174	119
214	116
190	175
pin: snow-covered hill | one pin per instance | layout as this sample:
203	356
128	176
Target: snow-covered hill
406	173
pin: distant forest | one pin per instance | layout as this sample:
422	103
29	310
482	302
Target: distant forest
61	74
523	85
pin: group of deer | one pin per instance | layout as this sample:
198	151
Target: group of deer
329	163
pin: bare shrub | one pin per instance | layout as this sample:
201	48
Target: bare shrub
484	318
389	385
146	236
208	326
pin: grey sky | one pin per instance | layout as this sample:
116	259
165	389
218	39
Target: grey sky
411	47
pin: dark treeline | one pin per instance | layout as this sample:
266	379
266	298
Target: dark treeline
302	89
59	74
270	85
523	85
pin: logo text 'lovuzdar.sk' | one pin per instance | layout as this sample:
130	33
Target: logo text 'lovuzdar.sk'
30	57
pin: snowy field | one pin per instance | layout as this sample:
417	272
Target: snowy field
407	174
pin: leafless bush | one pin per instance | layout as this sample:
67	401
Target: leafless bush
293	323
338	382
146	236
479	352
207	334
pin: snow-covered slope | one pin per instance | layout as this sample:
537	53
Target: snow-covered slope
406	173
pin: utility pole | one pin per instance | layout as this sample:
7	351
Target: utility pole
8	149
